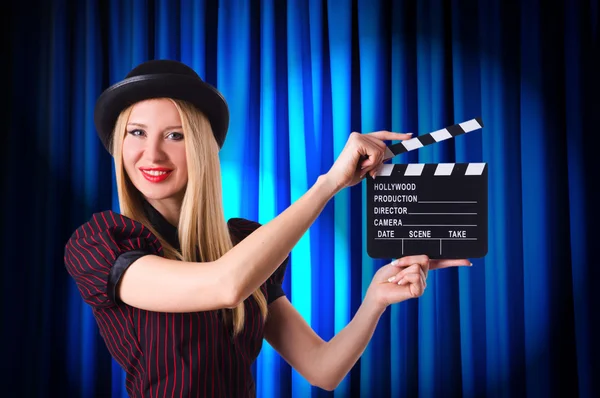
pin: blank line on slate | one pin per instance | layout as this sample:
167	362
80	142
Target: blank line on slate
447	201
435	214
440	225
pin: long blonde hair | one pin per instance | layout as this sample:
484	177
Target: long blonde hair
202	227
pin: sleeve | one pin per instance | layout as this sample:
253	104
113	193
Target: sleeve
240	229
101	250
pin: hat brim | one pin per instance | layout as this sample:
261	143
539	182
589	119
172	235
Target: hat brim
135	89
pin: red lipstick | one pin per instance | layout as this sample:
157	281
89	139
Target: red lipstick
155	174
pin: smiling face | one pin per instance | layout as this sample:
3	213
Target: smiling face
154	151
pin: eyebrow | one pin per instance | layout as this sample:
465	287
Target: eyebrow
144	126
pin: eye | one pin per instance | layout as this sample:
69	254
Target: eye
136	132
175	136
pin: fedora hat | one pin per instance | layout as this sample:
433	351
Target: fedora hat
160	79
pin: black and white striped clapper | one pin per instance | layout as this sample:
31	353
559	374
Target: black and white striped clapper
440	209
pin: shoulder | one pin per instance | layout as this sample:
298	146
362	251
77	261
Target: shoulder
93	254
109	220
240	228
242	224
111	228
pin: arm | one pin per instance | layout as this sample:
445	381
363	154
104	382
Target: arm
158	284
325	364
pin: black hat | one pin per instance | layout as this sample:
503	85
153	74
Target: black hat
160	79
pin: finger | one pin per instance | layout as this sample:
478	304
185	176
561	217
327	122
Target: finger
412	286
374	140
437	264
369	170
371	165
408	270
419	271
386	272
369	149
414	283
409	260
362	144
366	171
413	269
388	135
423	276
368	161
426	266
375	170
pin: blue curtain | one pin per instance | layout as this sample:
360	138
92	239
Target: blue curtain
299	77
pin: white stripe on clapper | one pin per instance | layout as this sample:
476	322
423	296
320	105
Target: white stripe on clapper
385	170
444	169
414	169
441	135
470	125
411	144
475	169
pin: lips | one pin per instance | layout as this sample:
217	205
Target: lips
156	174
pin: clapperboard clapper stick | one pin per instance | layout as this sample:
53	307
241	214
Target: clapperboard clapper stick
438	209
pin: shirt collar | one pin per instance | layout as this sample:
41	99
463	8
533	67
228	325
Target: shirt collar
164	228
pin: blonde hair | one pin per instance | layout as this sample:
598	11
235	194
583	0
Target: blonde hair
202	227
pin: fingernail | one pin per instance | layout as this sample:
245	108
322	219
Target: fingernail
401	282
362	176
470	264
374	176
395	262
391	279
409	133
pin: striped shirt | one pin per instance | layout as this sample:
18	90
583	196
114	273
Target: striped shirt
164	354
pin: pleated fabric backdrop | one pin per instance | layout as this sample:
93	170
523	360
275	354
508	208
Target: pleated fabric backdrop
299	77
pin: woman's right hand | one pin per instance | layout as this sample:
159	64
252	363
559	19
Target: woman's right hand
362	154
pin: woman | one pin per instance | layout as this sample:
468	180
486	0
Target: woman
182	298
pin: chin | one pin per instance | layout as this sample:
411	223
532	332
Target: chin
155	196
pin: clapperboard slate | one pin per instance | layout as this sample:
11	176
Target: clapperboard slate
440	210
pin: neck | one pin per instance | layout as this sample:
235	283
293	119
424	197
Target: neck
170	209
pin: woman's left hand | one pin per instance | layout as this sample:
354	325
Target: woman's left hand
405	278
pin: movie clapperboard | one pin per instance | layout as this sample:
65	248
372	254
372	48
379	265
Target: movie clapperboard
440	209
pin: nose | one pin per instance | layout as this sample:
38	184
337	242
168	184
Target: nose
154	150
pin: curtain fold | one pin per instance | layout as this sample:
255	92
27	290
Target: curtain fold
299	77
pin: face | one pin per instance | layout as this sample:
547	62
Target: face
154	151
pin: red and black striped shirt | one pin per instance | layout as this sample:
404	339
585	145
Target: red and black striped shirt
164	354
